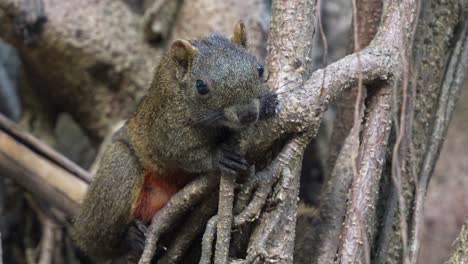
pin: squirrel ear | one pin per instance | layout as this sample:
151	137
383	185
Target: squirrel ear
240	35
183	53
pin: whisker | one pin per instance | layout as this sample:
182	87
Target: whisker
278	93
203	120
284	84
198	120
207	117
275	93
214	117
213	120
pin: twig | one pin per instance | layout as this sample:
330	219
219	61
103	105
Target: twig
264	181
193	226
358	104
207	243
48	241
247	189
223	233
49	230
323	38
177	206
250	203
258	249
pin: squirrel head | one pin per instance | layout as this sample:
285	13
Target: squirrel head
220	80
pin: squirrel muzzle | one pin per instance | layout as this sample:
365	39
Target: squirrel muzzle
242	115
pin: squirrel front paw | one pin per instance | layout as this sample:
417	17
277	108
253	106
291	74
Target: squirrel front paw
269	105
230	160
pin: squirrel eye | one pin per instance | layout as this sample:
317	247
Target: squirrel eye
260	70
202	88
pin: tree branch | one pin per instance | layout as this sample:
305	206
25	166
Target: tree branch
42	149
41	170
359	220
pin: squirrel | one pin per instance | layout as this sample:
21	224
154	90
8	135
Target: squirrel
203	93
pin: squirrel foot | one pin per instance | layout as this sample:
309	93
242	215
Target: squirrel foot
136	236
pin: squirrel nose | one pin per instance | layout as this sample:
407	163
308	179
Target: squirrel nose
248	117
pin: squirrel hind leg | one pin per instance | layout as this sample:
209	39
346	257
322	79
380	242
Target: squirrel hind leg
135	238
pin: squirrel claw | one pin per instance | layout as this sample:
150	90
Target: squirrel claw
231	161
